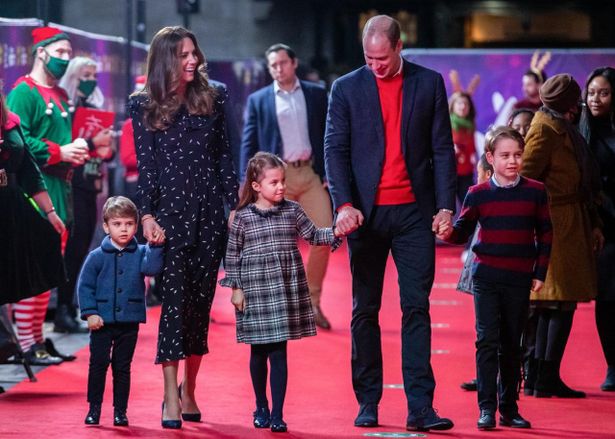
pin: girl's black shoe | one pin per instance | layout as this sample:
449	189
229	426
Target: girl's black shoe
93	416
278	426
262	417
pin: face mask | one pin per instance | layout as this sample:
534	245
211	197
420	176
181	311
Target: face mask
56	66
87	86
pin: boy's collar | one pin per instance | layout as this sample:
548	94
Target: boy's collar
109	246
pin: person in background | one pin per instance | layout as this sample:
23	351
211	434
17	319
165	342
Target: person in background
598	127
45	114
31	259
532	80
287	118
186	178
557	155
463	117
520	120
111	297
512	255
80	85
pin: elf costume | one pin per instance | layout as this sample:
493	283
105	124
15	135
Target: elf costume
45	114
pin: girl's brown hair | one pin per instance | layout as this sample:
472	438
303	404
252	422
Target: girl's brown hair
163	80
502	132
254	173
462	94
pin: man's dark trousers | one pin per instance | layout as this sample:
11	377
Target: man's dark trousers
113	344
501	313
402	230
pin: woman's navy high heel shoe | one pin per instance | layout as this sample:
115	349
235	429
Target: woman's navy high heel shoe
174	424
188	417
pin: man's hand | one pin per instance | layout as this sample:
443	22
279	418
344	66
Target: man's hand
441	222
348	220
237	299
95	322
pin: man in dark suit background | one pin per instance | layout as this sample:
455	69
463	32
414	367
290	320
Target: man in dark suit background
391	170
287	118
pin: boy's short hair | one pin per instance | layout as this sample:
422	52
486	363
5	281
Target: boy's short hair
502	132
484	164
119	207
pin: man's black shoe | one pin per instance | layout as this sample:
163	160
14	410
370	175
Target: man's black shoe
486	420
427	419
514	420
469	386
368	416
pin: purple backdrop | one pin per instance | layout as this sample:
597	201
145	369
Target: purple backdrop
501	71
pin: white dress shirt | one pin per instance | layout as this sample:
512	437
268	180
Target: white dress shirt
291	112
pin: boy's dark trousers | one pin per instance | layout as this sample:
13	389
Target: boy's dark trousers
501	313
113	343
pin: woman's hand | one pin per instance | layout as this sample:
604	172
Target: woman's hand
56	222
152	231
237	299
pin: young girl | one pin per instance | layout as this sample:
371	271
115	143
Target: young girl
512	255
264	269
463	114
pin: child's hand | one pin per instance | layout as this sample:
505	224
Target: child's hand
95	322
237	299
537	285
444	230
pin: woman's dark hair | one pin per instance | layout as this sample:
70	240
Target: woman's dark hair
519	111
255	171
502	132
163	80
587	121
462	94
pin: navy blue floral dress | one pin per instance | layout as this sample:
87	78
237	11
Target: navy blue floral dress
185	176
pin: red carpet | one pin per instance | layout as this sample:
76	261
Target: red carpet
320	401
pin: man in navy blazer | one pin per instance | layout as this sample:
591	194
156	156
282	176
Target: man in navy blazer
288	119
391	170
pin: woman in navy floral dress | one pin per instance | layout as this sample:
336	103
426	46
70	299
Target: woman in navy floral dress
185	176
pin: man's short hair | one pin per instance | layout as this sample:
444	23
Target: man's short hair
385	25
119	207
279	46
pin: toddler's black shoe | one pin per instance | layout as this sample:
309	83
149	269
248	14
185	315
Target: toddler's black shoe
262	417
119	418
93	416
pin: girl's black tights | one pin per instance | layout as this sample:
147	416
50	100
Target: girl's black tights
276	353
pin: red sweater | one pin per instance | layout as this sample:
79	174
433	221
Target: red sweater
394	186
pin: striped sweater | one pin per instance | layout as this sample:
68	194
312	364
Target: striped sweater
514	239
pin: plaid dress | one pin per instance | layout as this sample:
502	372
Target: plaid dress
263	260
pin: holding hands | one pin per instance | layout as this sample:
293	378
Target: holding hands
348	220
442	224
152	230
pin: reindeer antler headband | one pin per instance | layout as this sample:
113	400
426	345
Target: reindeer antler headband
538	63
458	87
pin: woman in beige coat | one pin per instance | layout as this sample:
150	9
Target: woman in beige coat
557	155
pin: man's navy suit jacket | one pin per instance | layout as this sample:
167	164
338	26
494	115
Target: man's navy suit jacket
262	133
355	140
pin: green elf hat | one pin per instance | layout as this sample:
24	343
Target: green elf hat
43	36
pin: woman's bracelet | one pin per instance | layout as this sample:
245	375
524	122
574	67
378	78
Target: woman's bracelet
53	209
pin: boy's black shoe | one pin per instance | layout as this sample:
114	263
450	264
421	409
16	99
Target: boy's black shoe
119	418
93	416
427	419
368	416
514	420
486	420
